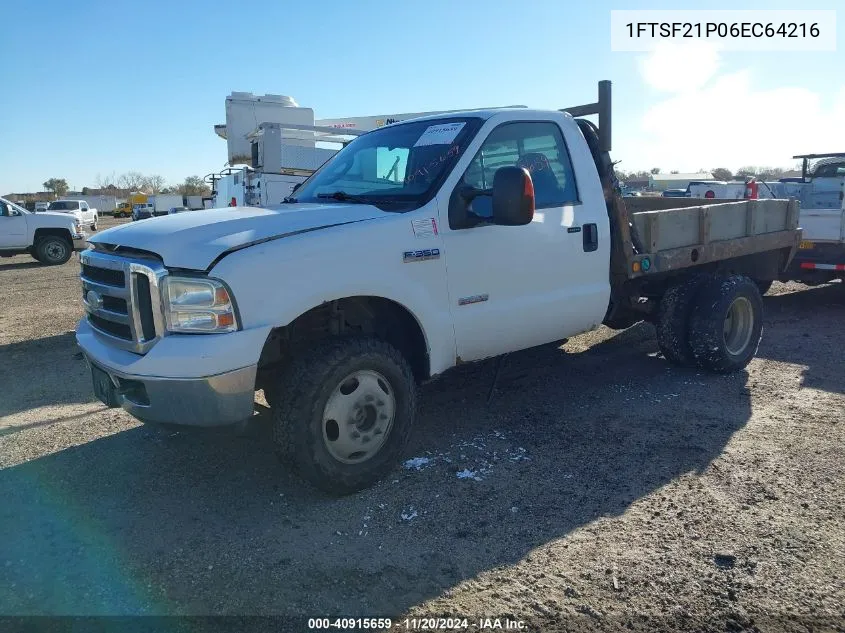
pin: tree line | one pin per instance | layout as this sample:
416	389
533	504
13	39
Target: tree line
719	173
134	181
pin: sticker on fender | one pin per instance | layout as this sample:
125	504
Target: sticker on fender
426	227
439	134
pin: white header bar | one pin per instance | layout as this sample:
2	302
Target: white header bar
759	30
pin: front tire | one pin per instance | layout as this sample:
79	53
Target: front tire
343	413
726	323
53	250
94	225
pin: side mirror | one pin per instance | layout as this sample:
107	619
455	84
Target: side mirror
513	196
512	200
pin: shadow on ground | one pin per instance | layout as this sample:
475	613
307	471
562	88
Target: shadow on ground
20	265
42	372
152	520
799	324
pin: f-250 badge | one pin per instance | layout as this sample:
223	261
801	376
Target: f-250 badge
421	255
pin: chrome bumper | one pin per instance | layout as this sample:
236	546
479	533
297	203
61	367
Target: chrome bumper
80	242
209	401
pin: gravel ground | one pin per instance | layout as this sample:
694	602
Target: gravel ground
599	489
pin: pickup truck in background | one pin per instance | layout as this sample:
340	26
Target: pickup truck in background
143	211
821	253
79	209
821	193
420	246
49	237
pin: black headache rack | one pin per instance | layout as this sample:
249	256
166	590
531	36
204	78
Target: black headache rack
602	108
624	237
651	236
806	158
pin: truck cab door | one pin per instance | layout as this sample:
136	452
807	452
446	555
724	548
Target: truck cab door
13	229
515	287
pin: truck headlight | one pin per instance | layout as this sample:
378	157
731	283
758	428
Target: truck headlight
198	305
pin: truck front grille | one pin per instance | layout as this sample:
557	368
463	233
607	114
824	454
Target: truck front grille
110	327
104	275
122	299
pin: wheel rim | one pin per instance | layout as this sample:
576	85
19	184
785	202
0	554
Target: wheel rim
358	417
56	250
739	324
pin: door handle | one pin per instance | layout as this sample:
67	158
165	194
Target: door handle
591	237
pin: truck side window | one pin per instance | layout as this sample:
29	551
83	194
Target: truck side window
4	210
539	148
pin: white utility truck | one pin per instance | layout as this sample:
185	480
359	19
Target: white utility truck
821	254
49	237
821	193
103	203
419	246
79	209
274	145
163	202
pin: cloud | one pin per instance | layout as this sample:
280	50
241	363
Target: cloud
680	68
713	119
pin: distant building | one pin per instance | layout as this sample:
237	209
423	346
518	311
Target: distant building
36	196
637	184
661	182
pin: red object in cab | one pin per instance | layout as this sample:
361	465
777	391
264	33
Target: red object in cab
751	189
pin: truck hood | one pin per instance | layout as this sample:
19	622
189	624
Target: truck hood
56	214
51	219
195	240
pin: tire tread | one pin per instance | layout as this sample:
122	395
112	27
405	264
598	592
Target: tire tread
707	322
295	407
672	323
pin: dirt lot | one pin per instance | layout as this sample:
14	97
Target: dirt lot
599	489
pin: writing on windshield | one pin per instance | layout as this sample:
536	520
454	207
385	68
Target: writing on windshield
432	167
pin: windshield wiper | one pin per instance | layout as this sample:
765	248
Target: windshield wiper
347	197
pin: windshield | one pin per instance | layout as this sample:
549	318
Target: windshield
400	164
831	170
64	205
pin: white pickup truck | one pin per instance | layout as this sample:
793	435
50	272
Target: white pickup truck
49	237
419	246
821	254
79	209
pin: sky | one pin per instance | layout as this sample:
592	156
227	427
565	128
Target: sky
93	88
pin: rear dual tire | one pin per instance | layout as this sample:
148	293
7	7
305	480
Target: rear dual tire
711	322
